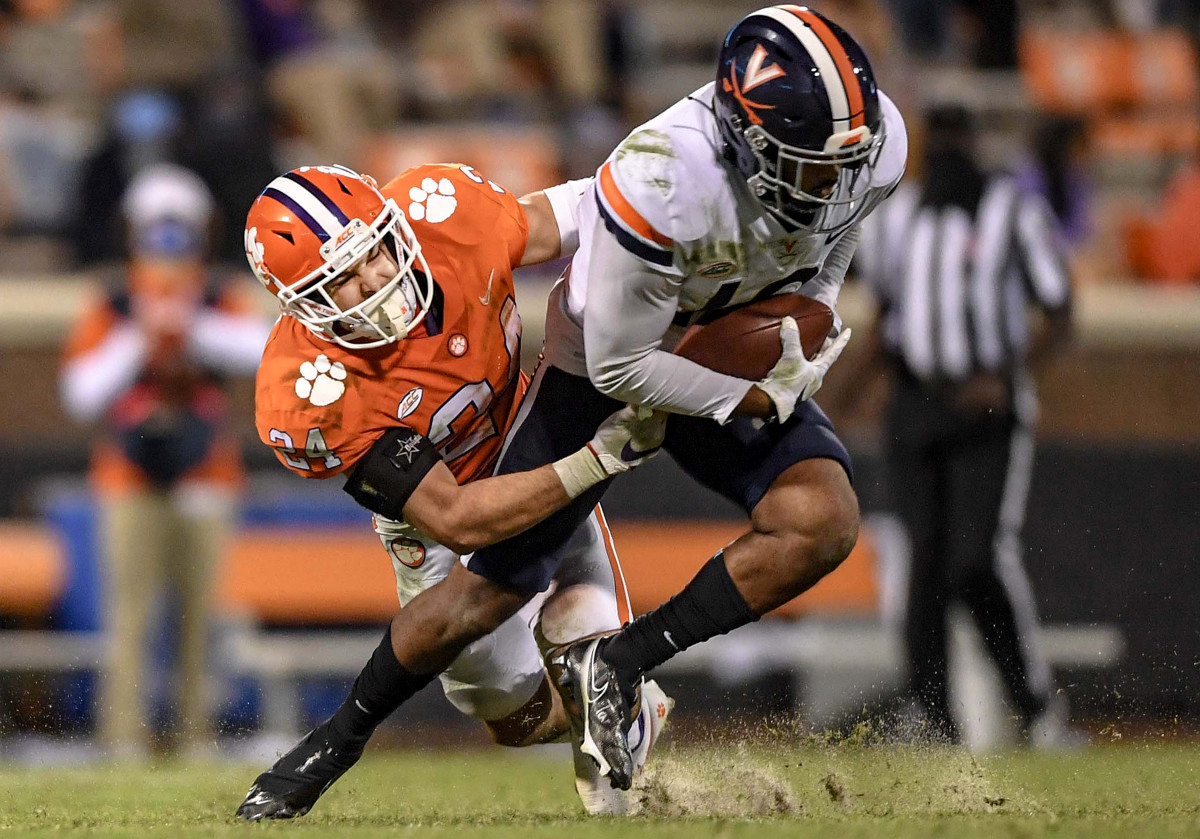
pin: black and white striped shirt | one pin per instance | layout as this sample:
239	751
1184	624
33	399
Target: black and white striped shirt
954	291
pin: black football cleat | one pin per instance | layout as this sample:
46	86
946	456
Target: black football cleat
292	786
603	710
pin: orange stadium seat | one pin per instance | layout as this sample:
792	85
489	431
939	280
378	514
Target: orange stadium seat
660	557
342	575
33	570
1139	93
1083	72
290	576
1077	72
1165	70
1148	135
1163	247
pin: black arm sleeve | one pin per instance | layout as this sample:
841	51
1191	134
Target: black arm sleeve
390	472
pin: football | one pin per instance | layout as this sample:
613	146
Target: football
745	342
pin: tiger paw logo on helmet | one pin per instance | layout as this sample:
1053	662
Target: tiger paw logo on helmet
321	382
255	253
432	201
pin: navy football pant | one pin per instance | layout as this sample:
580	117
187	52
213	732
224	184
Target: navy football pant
560	414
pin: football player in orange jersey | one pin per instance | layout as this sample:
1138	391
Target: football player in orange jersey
397	364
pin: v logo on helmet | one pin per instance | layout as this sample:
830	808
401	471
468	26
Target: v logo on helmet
756	74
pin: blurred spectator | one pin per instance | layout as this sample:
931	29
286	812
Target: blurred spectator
328	80
932	29
1058	172
1182	13
60	54
169	45
501	56
955	264
227	143
145	127
58	61
147	366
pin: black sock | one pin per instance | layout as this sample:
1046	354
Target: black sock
709	605
382	687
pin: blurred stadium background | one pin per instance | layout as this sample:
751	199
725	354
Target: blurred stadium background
531	92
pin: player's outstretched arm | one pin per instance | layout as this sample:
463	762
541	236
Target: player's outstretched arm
403	477
553	222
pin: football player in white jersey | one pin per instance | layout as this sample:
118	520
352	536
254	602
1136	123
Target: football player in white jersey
749	187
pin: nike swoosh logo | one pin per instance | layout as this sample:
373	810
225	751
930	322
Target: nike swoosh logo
670	640
487	297
596	688
630	454
361	707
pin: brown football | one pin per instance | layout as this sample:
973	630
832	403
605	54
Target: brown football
745	342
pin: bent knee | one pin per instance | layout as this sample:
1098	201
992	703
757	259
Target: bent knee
822	542
841	534
816	519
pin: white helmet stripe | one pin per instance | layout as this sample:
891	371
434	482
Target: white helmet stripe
309	203
838	101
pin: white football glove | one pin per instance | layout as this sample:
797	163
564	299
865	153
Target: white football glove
795	378
628	439
624	441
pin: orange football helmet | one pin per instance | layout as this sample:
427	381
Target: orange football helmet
312	224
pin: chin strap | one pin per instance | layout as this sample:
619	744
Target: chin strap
394	314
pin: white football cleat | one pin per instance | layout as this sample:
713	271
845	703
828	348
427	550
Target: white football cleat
595	791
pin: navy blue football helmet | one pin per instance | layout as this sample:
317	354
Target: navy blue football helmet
798	110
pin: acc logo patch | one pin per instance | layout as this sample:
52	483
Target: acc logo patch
410	402
717	269
321	382
408	552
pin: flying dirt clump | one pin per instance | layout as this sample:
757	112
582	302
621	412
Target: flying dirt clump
699	786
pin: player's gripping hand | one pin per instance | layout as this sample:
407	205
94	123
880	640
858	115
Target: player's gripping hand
795	378
628	439
625	440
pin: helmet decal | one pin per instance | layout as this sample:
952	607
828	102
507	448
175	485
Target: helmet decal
255	253
830	58
755	75
312	206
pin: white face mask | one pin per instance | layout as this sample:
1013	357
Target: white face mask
389	314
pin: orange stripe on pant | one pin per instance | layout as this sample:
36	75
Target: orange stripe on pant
838	53
625	211
624	609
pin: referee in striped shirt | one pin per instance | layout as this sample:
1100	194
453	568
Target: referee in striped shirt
973	290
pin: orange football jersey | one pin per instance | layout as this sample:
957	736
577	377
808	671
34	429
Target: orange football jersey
322	406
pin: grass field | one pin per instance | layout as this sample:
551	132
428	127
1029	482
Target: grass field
1120	789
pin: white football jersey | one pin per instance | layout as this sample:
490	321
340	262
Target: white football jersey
670	199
